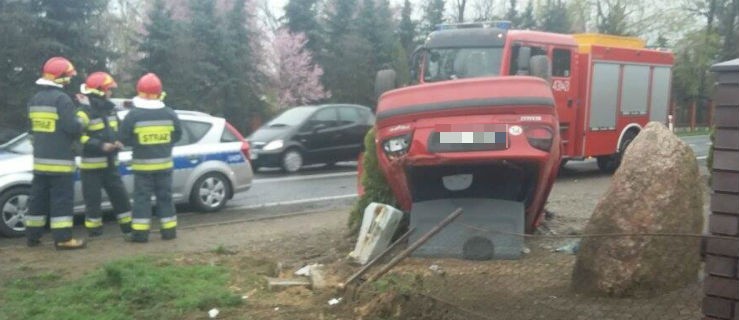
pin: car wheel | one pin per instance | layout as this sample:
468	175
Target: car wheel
292	161
210	192
14	208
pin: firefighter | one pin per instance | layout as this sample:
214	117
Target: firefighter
152	129
55	129
100	146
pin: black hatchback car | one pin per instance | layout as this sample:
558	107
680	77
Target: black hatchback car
311	134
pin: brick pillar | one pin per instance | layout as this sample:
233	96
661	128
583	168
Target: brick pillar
721	284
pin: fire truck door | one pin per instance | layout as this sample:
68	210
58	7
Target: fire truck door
564	88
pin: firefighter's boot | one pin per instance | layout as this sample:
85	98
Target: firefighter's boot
70	244
169	234
136	237
95	232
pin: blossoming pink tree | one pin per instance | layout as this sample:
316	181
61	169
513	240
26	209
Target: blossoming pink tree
296	77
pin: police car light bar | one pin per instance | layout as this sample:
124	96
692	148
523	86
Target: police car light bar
500	24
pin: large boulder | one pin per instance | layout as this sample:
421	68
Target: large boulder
657	189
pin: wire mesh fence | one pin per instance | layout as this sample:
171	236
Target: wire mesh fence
542	283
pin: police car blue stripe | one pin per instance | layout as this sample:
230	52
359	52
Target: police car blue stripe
189	162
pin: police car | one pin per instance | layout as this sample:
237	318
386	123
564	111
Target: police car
211	165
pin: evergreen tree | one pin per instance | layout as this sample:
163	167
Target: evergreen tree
401	64
555	17
407	28
512	14
157	45
528	20
205	63
163	48
239	91
301	16
433	15
20	65
75	29
374	24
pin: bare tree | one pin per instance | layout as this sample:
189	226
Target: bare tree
484	10
266	17
460	6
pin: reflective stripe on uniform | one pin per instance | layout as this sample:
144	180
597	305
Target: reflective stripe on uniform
36	221
141	224
43	112
124	217
155	123
152	164
169	222
83	115
94	223
113	122
53	165
94	163
96	125
62	222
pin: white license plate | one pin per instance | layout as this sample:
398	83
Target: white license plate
469	138
254	156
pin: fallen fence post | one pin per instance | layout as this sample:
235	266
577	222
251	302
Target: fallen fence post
407	252
366	267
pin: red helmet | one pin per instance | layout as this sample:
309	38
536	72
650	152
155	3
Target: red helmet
59	70
99	83
149	86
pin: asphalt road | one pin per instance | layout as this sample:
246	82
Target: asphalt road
330	186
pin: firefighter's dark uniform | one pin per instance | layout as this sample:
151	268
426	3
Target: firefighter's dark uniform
152	129
99	169
55	130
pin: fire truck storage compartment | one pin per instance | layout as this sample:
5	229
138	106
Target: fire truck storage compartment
660	99
503	180
626	88
604	96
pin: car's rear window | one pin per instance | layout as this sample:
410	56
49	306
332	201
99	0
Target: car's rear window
228	136
193	131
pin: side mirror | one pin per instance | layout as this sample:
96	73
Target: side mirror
540	67
385	81
524	57
415	57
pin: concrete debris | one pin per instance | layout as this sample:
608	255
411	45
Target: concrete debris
571	247
275	284
318	278
213	313
307	270
435	268
379	224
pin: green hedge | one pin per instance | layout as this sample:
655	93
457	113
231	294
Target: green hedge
376	188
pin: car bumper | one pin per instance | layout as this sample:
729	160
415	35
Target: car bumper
261	158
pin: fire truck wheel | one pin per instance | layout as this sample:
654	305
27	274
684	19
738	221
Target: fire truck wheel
608	164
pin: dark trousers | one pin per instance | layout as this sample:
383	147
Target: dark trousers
93	181
52	196
158	184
